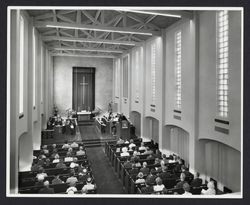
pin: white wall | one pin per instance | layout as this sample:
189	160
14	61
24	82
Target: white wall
198	109
25	131
63	80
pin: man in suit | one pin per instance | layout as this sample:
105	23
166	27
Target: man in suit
197	182
148	189
134	170
164	174
145	170
182	181
46	189
57	180
151	177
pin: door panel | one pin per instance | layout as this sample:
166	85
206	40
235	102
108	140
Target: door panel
83	88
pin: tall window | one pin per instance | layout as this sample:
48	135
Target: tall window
117	77
178	70
34	68
222	63
137	75
125	77
42	69
153	72
21	65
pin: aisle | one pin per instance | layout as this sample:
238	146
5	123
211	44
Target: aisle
106	180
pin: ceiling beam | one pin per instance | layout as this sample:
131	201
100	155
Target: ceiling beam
72	48
51	24
92	40
169	13
83	55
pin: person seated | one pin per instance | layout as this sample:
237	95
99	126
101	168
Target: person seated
134	170
179	185
84	190
49	125
140	179
120	141
74	163
157	154
177	168
126	142
148	152
150	157
47	164
125	152
196	182
137	163
46	189
40	162
35	167
40	179
184	170
80	152
145	170
74	145
210	191
66	145
42	155
157	161
173	159
57	159
57	180
72	188
131	145
68	158
72	178
142	147
159	169
70	151
148	189
159	186
45	149
164	174
54	153
82	176
54	146
41	173
135	156
60	164
151	177
127	164
89	185
186	188
164	158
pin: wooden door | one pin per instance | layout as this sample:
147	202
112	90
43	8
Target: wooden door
83	88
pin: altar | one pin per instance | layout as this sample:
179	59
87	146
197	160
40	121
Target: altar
83	116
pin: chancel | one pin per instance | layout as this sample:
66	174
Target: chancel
115	101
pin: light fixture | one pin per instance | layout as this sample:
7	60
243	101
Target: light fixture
86	49
93	41
89	56
99	29
152	13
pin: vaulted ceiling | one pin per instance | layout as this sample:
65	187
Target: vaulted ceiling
100	33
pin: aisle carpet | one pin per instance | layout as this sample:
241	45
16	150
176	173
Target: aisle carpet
106	180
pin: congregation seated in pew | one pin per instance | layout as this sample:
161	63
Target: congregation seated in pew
65	172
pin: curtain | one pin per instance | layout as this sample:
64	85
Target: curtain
222	163
179	143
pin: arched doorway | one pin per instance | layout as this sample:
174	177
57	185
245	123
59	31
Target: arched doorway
135	118
177	141
152	129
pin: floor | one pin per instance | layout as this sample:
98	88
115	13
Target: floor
106	180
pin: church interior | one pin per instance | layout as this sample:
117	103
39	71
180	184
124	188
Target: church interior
124	101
